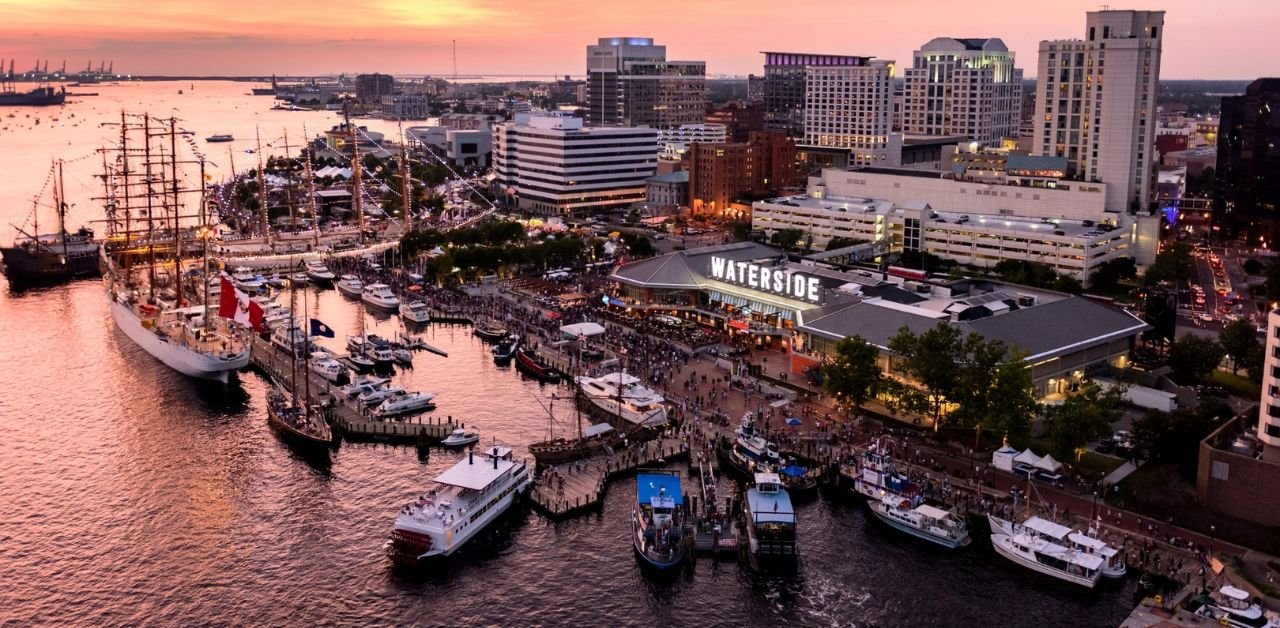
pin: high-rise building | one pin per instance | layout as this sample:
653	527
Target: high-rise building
631	83
1247	197
1106	134
370	88
784	86
1269	410
851	108
551	164
962	87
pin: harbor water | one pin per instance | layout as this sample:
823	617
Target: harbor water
135	496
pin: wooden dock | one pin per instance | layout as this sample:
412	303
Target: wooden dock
569	489
349	417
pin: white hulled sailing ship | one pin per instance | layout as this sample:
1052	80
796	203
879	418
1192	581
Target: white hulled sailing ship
143	260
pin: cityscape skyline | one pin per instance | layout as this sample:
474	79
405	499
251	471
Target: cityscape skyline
214	38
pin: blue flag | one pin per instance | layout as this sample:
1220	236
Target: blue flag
320	329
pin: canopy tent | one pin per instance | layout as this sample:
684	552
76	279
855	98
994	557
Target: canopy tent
1003	458
650	485
333	171
794	470
794	421
1027	457
576	330
1047	463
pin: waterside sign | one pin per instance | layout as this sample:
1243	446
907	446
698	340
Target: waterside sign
785	283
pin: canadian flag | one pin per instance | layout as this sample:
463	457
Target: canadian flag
237	306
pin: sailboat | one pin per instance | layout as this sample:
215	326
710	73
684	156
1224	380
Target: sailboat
592	440
51	258
303	425
152	313
357	348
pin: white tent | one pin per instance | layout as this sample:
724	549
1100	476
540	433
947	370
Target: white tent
577	330
1027	457
1047	463
1003	458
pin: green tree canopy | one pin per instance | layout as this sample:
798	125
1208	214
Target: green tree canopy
853	375
1194	358
1238	339
1174	437
931	358
1083	417
1108	275
787	238
1173	264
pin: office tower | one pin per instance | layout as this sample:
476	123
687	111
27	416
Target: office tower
966	87
1247	194
631	83
784	86
851	107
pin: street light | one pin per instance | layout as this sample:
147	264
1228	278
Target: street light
1212	537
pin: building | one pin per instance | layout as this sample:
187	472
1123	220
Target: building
668	190
551	164
755	89
1107	135
1247	196
631	83
850	108
472	147
783	86
777	152
676	140
739	119
370	88
720	174
806	308
406	106
966	87
1195	160
1023	213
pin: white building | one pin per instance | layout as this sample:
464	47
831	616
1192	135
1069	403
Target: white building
464	147
676	139
1106	134
851	107
1269	411
962	87
550	164
1065	226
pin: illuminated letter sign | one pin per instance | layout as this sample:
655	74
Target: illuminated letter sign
767	279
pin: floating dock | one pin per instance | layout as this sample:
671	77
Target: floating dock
576	487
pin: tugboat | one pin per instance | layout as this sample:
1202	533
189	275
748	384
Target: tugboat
750	452
874	476
506	349
923	521
1230	606
657	523
531	364
770	522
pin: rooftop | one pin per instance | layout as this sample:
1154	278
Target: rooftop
671	177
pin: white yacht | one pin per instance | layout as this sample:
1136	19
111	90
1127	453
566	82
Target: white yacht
460	437
467	498
380	295
325	366
405	403
1231	606
923	521
246	280
350	285
1113	565
363	384
291	339
318	272
375	397
1037	545
415	311
623	396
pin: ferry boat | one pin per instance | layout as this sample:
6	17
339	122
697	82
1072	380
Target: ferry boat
303	426
505	350
528	361
380	295
405	404
1113	565
459	438
657	522
1230	606
490	331
1034	545
350	285
922	521
750	451
770	521
415	311
318	273
468	497
623	397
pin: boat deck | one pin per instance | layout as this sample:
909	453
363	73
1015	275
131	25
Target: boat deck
348	415
571	488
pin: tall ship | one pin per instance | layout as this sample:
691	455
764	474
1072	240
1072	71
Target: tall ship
299	422
39	97
591	440
467	497
770	522
53	257
657	521
143	263
625	400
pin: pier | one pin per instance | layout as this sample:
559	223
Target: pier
569	489
347	416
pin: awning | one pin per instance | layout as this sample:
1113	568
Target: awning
587	329
1047	528
1027	457
1047	463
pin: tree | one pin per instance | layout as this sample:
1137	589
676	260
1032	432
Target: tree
1238	339
1252	267
839	242
1193	357
853	375
1254	363
639	245
1161	313
1083	417
1068	284
1173	264
787	238
1107	275
1174	437
931	359
741	230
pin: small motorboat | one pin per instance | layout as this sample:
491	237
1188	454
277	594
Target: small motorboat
403	357
351	286
491	331
319	273
460	437
415	311
380	295
505	350
361	363
380	395
405	404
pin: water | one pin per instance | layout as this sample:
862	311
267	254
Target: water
135	496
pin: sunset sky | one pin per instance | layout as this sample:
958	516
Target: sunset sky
1204	39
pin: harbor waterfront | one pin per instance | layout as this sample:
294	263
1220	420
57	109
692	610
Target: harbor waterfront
138	496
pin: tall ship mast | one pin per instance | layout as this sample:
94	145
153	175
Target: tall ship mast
143	261
38	258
